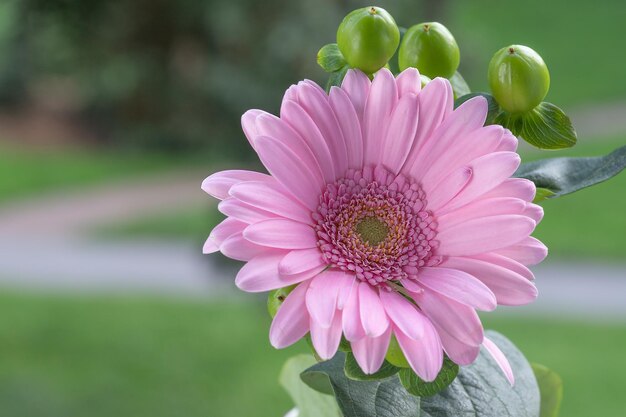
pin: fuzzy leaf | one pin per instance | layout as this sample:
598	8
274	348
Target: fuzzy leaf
330	58
494	107
480	390
566	175
459	85
551	389
336	77
354	371
545	127
309	402
418	387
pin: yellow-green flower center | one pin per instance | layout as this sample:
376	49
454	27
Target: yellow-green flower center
372	230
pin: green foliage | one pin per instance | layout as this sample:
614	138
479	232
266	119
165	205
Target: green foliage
309	402
330	58
542	194
566	175
545	127
459	85
551	390
353	370
472	392
420	388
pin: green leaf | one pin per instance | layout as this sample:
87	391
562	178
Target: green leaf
494	107
336	78
551	389
459	85
354	371
567	175
310	403
330	58
418	387
542	194
546	126
480	390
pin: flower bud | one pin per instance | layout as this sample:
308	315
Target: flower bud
431	48
519	79
368	38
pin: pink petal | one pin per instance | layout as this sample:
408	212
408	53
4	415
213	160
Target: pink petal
223	231
289	170
459	320
435	103
513	187
326	339
282	234
507	263
509	142
357	85
350	126
449	188
488	171
237	247
291	322
351	320
458	285
373	316
534	211
248	124
244	212
484	234
301	122
500	359
460	353
370	352
425	355
273	127
409	82
323	295
482	207
380	103
509	287
400	134
462	150
273	198
403	314
261	274
298	261
464	120
218	184
209	247
315	102
529	251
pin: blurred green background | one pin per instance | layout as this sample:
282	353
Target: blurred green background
97	94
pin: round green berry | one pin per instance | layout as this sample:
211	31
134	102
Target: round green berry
275	299
368	38
519	79
431	48
395	356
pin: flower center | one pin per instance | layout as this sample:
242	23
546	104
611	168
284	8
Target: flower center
372	230
375	224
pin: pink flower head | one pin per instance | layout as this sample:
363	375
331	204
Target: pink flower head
393	213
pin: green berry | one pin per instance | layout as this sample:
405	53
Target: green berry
395	356
431	48
519	79
368	38
275	299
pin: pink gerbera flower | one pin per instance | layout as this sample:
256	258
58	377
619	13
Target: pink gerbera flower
393	213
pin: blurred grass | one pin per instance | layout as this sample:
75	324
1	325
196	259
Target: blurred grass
589	223
103	356
26	171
